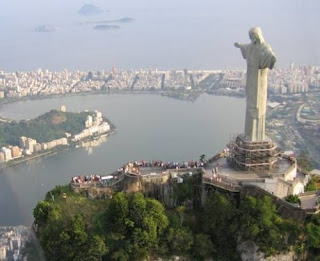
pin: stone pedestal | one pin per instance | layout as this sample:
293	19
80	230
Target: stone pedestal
253	156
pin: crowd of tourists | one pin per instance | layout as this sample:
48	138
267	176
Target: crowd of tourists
82	179
134	167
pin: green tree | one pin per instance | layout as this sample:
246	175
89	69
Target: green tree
203	158
137	209
70	240
313	233
136	225
293	199
260	222
313	184
41	212
181	211
183	191
180	240
118	215
220	213
203	247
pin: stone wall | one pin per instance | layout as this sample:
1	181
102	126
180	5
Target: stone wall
284	208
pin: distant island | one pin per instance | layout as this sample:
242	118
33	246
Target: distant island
89	9
106	27
45	28
26	139
125	20
121	20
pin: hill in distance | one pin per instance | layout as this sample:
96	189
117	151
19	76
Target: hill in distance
89	9
49	126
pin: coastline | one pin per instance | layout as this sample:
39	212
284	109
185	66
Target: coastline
25	159
28	98
179	95
57	149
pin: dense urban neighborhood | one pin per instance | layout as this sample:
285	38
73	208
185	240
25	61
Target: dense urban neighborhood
302	79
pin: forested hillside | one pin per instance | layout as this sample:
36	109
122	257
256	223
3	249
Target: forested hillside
134	227
49	126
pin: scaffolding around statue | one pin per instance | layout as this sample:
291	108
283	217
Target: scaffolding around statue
253	156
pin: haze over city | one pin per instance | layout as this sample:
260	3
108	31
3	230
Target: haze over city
163	34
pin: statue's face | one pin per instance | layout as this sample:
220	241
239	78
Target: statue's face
252	37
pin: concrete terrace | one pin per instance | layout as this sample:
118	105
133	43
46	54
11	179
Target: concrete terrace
220	170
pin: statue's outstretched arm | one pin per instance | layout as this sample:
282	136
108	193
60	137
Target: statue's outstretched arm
237	45
243	48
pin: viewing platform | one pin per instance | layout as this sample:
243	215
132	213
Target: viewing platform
216	174
217	171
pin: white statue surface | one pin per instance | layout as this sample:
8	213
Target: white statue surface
260	59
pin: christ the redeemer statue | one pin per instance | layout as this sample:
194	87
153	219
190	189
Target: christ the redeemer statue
260	59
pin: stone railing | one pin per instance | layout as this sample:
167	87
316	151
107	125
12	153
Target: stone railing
221	184
215	157
154	176
114	181
85	185
100	183
185	170
252	180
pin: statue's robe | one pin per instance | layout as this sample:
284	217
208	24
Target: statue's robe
260	59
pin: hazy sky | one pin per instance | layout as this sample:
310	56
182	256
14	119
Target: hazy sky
193	34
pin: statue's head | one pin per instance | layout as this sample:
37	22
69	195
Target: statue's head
255	35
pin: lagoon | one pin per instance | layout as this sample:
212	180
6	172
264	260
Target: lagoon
150	127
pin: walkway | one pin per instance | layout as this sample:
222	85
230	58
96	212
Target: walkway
310	202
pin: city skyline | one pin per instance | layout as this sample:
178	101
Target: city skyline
39	83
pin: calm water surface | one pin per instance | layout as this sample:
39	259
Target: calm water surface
150	127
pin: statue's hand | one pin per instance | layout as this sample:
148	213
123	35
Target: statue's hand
237	45
273	61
